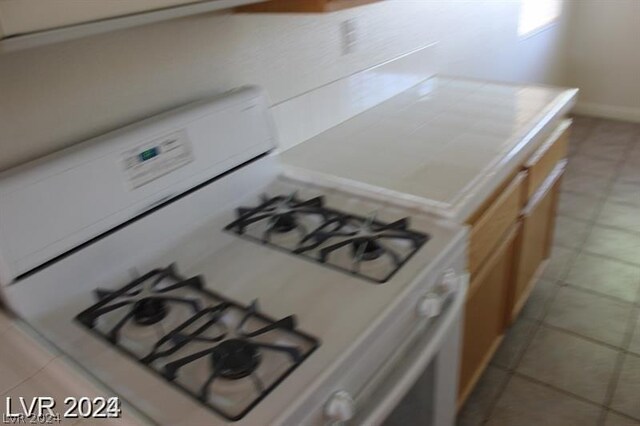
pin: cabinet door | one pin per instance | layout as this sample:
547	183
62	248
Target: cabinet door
484	321
536	239
488	229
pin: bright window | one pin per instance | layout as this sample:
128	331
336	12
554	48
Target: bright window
537	14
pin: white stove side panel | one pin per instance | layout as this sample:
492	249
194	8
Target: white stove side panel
54	204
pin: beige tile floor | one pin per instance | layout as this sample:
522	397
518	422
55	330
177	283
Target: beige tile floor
573	356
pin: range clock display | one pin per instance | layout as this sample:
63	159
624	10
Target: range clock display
148	154
156	158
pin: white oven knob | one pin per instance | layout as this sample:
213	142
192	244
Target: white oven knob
340	407
429	305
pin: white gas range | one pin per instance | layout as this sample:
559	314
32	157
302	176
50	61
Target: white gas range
173	263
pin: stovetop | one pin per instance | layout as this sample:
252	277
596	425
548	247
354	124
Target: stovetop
226	355
198	351
359	245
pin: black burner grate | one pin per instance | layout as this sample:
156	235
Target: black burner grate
232	354
367	238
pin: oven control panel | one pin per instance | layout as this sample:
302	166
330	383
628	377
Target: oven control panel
156	158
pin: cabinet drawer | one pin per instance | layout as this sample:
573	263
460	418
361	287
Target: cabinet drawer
492	224
545	159
535	241
484	321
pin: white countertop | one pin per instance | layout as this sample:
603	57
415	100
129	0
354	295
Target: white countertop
442	146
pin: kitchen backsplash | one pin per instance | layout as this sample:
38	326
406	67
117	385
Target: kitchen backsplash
311	113
58	95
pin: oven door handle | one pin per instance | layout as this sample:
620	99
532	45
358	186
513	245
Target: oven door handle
398	383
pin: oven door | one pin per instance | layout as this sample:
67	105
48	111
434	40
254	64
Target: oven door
418	386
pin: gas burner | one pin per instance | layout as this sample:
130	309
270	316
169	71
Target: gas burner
285	222
218	344
366	249
365	238
234	359
279	215
148	299
377	249
149	310
243	358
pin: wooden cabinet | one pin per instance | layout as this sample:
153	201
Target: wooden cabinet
510	242
536	238
29	23
303	6
484	321
27	16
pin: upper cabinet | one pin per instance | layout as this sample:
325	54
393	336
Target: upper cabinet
27	23
303	6
28	16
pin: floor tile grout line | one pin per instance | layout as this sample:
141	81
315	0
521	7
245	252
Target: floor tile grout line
610	257
629	333
573	286
583	240
638	297
605	406
621	414
594	254
587	175
512	370
495	399
523	350
625	203
557	389
613	382
612	158
618	228
587	338
561	277
570	394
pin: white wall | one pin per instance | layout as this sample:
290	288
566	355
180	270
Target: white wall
57	95
604	57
